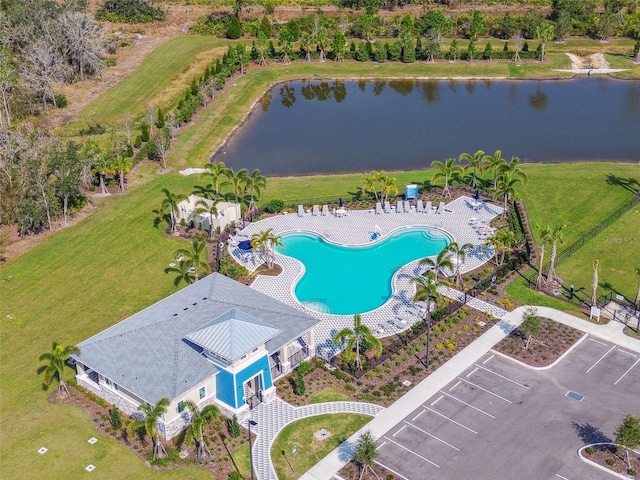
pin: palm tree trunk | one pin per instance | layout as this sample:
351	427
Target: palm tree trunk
539	280
551	274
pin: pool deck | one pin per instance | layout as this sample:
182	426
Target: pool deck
356	228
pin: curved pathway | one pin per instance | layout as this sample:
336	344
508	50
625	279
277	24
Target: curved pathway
273	416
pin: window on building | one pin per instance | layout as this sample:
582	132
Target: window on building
202	393
180	406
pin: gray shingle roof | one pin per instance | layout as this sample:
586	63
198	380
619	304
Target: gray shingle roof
232	335
148	355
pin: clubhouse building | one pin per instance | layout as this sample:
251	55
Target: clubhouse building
214	342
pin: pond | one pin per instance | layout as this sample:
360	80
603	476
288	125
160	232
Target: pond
314	126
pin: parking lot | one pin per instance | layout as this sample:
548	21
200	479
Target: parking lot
499	419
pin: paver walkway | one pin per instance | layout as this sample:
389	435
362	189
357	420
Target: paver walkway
274	416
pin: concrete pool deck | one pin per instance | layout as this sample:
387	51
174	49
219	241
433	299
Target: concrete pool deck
356	228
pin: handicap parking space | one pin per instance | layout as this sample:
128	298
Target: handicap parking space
499	419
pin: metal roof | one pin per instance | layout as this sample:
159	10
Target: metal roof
232	335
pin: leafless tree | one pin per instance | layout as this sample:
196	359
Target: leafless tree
151	117
162	144
83	43
171	124
206	91
518	40
43	67
127	126
8	83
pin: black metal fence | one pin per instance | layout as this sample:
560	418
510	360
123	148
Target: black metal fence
575	246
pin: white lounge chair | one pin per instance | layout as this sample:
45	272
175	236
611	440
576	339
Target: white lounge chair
378	208
399	207
420	207
315	211
428	207
440	208
300	210
387	207
325	210
407	206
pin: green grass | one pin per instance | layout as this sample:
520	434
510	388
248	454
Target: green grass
309	450
618	249
328	395
518	289
160	78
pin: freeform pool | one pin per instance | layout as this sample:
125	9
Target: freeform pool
345	280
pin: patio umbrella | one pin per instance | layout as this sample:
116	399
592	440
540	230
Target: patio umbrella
340	202
245	245
477	197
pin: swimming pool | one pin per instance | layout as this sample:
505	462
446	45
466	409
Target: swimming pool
344	280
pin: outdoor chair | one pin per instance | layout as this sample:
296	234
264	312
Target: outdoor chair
387	207
325	210
428	207
420	207
378	208
399	207
440	208
315	211
300	210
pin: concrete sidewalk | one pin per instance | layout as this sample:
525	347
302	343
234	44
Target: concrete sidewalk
612	332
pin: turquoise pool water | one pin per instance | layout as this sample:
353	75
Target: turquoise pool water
347	280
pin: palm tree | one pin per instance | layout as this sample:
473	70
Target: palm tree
495	162
255	182
184	272
267	241
508	182
502	241
205	191
460	253
426	291
544	32
238	182
354	338
478	162
199	420
389	188
442	261
210	207
149	425
196	257
54	370
218	173
557	235
513	166
170	202
545	236
446	170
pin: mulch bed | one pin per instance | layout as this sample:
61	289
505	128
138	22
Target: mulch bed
616	458
546	347
383	384
221	445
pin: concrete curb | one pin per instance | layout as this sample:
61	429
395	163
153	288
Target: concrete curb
594	464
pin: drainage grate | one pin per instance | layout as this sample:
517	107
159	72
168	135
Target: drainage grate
574	395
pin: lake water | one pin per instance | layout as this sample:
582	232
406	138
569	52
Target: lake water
308	127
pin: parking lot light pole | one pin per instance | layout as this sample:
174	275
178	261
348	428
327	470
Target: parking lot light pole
251	423
428	318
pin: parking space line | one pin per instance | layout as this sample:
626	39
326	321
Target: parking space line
597	341
432	436
450	419
416	454
399	430
623	375
600	359
454	386
391	470
381	445
419	413
471	372
560	476
468	405
487	359
628	353
502	376
485	390
433	404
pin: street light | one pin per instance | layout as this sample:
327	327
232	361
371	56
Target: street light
251	423
428	319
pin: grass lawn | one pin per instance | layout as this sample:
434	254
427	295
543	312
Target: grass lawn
580	195
518	289
311	451
328	395
618	249
160	78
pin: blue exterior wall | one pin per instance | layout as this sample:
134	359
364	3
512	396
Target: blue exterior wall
224	387
230	387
